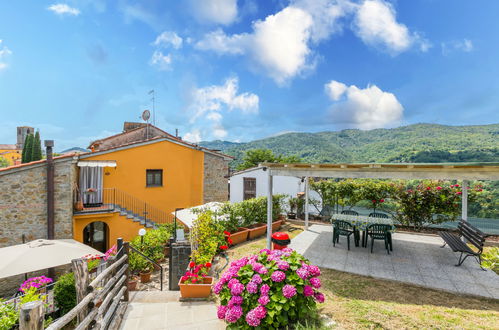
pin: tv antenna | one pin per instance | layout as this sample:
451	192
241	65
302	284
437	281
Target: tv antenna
146	114
151	92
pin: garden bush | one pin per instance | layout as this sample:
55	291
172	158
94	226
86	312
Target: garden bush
8	315
65	293
270	290
490	259
153	242
207	235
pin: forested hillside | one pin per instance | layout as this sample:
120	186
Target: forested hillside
414	143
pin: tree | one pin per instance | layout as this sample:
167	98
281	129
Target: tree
3	162
253	157
28	149
37	148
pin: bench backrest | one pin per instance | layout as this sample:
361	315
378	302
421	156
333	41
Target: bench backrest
474	235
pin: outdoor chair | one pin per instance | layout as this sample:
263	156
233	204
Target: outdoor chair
349	212
378	215
380	232
343	228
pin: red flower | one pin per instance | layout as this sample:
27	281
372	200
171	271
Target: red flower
381	200
194	280
226	233
224	247
439	188
428	188
374	201
459	192
229	240
456	186
479	190
192	264
208	265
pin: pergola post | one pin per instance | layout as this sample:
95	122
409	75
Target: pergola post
269	209
306	203
464	200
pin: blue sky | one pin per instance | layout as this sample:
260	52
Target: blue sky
247	69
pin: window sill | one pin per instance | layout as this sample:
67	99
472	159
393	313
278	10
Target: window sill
154	186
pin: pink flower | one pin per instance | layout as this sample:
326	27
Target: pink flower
221	311
252	319
314	270
232	282
282	265
278	276
260	312
237	289
264	300
439	188
257	279
288	291
217	288
252	287
456	186
264	289
316	282
266	251
235	300
459	192
319	297
262	271
233	314
303	273
308	291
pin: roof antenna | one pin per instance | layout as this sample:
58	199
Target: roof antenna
153	107
146	114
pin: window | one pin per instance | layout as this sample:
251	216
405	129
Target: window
249	189
154	178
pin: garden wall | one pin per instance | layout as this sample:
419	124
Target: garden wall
215	184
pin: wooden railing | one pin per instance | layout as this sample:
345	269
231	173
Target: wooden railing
99	301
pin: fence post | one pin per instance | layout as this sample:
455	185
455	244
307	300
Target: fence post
80	270
31	316
126	248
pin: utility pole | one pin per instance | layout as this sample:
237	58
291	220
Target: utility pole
153	107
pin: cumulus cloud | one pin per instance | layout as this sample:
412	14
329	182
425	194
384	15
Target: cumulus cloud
161	61
168	38
215	11
376	24
193	136
464	45
366	108
63	9
210	102
4	54
221	43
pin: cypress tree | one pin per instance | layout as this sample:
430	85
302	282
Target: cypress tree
28	148
37	148
23	154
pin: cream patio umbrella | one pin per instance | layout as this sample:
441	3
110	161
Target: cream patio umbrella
189	215
40	254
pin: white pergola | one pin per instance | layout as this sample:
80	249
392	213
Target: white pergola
448	171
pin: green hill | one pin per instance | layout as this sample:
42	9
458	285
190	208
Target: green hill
414	143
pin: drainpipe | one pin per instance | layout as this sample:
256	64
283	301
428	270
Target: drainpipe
49	144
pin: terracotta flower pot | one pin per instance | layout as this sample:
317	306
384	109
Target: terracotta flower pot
189	290
257	230
145	276
241	235
277	224
166	251
132	285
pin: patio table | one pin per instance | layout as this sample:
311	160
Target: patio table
361	222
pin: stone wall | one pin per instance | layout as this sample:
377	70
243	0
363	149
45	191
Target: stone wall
180	253
23	201
215	185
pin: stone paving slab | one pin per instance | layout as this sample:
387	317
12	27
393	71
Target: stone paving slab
162	310
415	259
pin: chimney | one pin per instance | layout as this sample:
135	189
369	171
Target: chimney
49	144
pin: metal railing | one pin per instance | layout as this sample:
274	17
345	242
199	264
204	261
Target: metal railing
109	199
151	261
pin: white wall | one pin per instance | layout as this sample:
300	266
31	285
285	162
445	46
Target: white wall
281	185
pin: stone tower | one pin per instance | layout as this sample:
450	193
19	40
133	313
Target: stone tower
22	132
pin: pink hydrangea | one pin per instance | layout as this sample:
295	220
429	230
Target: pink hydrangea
316	282
264	299
282	265
232	282
314	270
235	300
237	289
221	311
319	297
252	287
252	319
308	291
278	276
264	289
217	288
260	312
288	291
266	251
257	279
303	273
233	314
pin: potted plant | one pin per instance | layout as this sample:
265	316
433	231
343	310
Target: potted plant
145	273
232	223
257	230
293	205
139	264
93	262
196	283
132	283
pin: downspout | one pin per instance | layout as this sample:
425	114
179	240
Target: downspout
49	144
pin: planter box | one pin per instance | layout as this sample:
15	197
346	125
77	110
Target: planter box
257	230
196	290
239	236
276	225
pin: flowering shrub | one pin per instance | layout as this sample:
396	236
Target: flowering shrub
196	273
35	282
271	289
92	261
207	236
109	253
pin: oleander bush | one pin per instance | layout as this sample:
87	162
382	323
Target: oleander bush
270	290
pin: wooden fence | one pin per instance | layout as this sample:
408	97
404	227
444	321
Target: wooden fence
101	302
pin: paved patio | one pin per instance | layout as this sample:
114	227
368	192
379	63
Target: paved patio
416	259
161	310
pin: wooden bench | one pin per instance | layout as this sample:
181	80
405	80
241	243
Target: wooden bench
472	235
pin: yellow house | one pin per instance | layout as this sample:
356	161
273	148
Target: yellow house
11	153
138	184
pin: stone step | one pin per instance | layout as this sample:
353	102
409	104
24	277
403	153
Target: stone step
154	296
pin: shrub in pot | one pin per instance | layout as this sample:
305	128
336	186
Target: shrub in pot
196	283
139	264
272	290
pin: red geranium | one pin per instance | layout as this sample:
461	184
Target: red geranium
381	200
229	240
208	265
227	233
192	264
223	247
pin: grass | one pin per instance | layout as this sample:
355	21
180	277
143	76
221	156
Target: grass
361	302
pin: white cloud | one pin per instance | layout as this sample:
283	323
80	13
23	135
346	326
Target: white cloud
215	11
161	61
193	136
63	9
464	45
376	24
4	54
168	38
221	43
366	108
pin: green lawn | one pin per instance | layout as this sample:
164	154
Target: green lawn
355	301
